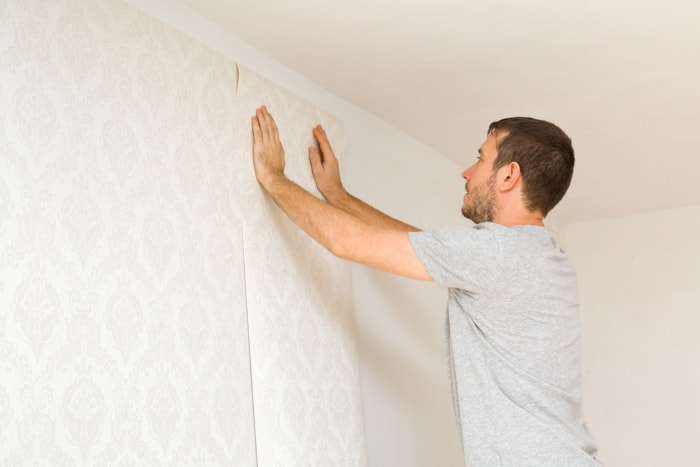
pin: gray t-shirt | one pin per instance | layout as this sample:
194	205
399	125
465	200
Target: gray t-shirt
513	344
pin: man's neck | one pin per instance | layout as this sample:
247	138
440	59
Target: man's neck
520	218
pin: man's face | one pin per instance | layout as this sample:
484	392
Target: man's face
480	200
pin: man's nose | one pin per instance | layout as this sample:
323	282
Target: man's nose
467	174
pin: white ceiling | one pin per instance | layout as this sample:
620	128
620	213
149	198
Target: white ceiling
621	77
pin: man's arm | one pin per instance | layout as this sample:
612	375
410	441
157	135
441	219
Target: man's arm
326	172
345	235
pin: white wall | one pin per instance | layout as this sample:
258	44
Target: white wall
639	282
408	411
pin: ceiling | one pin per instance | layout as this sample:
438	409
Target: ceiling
622	78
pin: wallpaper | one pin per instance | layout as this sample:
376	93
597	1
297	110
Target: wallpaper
303	348
138	325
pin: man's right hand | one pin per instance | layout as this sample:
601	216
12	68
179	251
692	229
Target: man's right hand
324	167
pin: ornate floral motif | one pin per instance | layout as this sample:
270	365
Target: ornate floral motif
127	207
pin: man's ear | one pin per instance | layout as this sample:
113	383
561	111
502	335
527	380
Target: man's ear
509	176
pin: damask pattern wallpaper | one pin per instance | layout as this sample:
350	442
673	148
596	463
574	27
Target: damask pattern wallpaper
155	307
302	339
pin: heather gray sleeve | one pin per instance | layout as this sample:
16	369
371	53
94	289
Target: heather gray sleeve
458	257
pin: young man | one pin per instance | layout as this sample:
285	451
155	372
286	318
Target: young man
512	320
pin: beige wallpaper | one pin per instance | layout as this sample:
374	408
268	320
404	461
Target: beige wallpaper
136	252
305	370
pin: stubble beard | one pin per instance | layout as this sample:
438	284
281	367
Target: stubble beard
483	202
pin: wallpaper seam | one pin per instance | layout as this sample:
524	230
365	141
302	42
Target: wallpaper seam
238	78
247	323
140	259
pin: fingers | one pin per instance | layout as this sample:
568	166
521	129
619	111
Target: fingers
257	134
323	143
264	126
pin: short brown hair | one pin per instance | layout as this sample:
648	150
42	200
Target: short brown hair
544	153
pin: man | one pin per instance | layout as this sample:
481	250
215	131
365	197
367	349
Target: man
512	321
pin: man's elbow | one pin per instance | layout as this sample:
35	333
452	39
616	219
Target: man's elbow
339	245
348	241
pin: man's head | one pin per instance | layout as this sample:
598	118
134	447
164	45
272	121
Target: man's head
545	156
539	152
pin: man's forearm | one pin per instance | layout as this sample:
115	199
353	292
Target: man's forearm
366	213
329	225
345	235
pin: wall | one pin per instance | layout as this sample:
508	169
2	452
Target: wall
640	305
155	307
400	322
630	367
304	361
406	399
122	312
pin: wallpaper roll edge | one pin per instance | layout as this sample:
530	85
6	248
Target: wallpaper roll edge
304	355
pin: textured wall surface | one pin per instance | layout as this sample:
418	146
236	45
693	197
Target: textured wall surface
302	330
127	263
